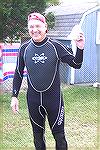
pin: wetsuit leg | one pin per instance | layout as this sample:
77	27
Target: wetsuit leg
39	141
37	120
58	131
61	143
55	108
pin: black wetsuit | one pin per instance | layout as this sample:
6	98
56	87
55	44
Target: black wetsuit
44	95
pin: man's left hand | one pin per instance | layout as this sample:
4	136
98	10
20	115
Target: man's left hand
77	35
80	41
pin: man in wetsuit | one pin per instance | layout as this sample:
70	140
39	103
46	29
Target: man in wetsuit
42	56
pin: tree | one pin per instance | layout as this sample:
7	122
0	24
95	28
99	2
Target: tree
52	2
14	15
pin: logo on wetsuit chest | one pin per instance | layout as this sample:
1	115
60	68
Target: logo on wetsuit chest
39	58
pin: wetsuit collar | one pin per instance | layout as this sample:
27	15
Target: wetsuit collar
40	43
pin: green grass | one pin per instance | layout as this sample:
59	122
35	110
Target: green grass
81	121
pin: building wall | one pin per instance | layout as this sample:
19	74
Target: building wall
98	63
88	71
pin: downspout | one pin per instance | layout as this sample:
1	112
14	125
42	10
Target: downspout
72	69
73	43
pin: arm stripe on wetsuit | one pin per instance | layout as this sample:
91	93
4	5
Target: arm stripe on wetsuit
54	48
25	51
18	58
63	47
68	52
76	63
18	66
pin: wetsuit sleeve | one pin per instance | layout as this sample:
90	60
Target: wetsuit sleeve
73	61
65	54
18	76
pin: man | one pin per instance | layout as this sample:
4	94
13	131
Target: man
42	56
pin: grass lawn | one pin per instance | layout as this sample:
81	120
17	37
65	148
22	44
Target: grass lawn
81	121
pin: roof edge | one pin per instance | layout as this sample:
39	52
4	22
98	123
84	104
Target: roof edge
87	13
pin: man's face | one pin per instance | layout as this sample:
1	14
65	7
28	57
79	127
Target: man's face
37	30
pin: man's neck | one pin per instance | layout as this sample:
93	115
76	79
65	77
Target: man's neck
41	42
